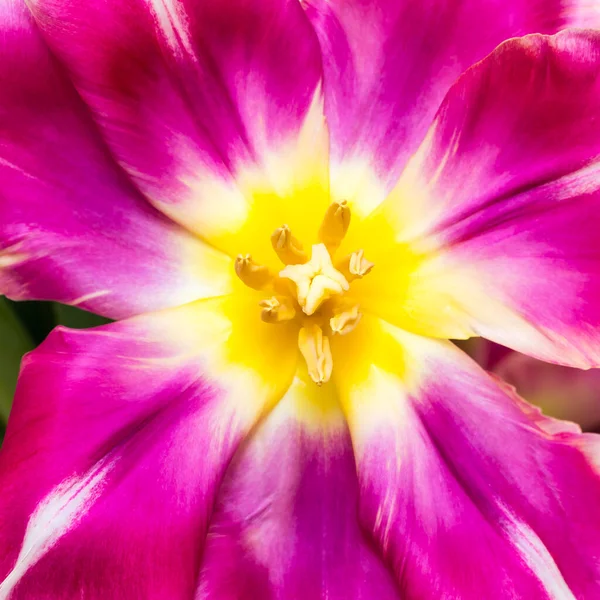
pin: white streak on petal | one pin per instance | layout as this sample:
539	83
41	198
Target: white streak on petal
90	296
536	556
56	514
172	22
13	255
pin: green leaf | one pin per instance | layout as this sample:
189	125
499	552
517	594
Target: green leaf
37	318
77	318
14	342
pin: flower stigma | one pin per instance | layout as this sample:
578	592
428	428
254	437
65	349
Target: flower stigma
310	290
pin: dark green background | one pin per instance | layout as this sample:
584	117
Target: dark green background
23	325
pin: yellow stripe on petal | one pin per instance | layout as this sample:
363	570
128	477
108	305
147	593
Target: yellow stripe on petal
399	288
290	188
409	208
209	270
316	408
214	208
406	286
253	360
355	181
372	358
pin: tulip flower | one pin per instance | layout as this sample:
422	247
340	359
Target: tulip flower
290	208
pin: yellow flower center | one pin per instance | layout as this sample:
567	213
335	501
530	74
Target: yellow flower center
310	290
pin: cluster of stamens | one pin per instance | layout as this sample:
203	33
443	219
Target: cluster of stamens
309	290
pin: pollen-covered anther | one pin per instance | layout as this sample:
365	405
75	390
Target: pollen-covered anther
316	351
316	281
335	224
289	250
359	265
251	273
344	322
355	266
277	309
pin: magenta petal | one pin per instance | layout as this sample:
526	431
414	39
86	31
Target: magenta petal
509	200
72	227
286	522
389	63
467	490
109	470
186	92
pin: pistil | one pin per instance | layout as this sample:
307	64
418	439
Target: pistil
316	281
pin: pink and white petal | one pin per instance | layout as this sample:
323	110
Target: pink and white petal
72	227
389	63
467	490
116	446
502	204
286	522
192	95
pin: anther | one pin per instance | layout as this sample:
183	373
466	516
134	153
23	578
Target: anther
344	322
277	309
335	224
315	349
355	266
251	273
288	248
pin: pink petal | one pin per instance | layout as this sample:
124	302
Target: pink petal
285	525
72	227
115	449
389	63
188	93
503	200
465	488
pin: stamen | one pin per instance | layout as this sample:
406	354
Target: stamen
335	225
315	349
309	284
355	266
316	280
251	273
344	322
288	248
277	309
